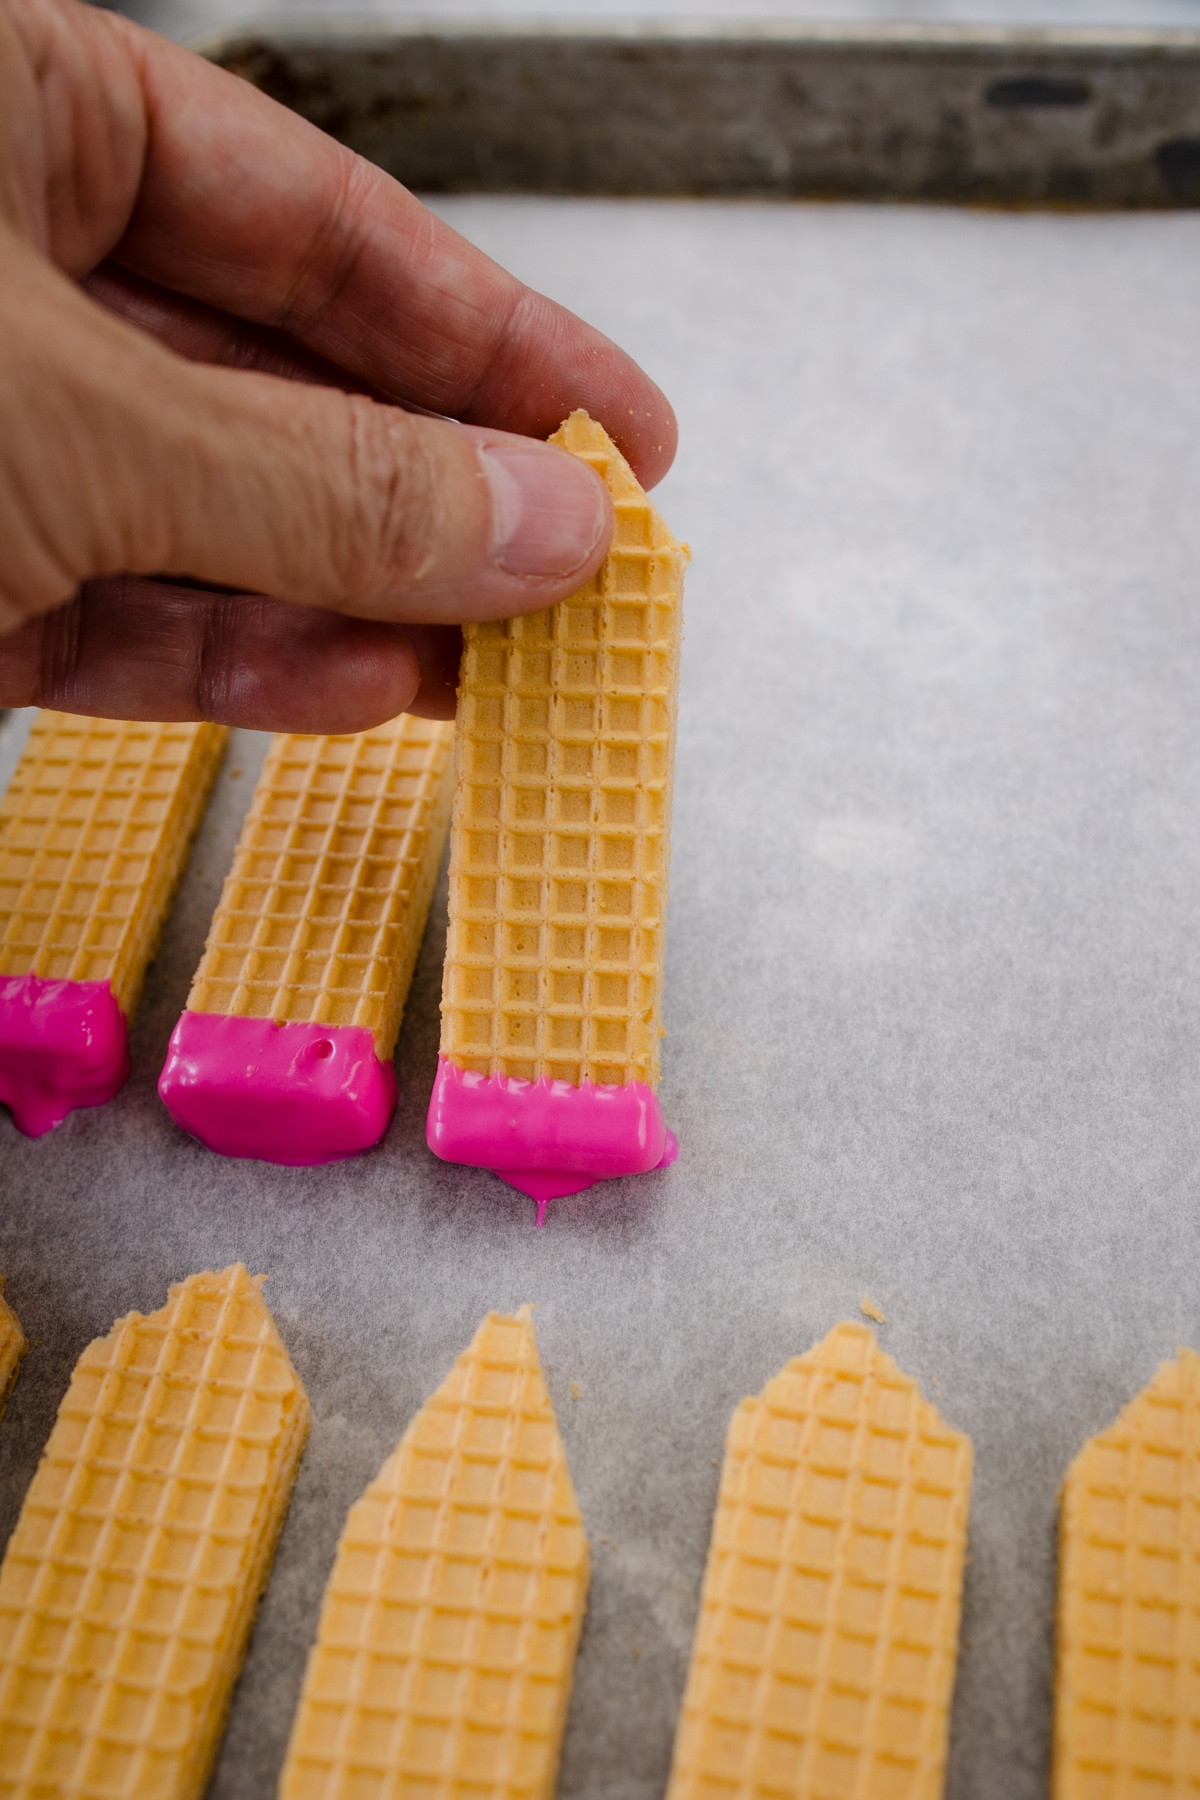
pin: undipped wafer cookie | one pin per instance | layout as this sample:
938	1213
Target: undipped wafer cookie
552	995
825	1653
443	1661
130	1583
1127	1700
94	832
13	1346
285	1050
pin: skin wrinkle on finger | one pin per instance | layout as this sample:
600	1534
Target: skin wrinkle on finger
325	271
502	330
59	651
211	676
437	522
473	316
390	475
81	162
45	548
22	151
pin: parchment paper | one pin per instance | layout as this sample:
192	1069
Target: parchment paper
933	976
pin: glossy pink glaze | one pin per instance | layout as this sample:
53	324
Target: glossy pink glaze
547	1138
292	1094
63	1044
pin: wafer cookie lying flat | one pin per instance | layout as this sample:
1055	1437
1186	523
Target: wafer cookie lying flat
1128	1690
552	995
443	1660
94	832
129	1585
825	1653
285	1050
13	1345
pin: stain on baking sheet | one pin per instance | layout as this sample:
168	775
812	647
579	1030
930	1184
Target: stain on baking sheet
1013	91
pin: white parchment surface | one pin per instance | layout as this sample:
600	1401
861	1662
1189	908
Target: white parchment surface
933	982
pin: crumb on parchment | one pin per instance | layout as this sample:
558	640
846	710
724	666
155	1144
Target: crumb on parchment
871	1310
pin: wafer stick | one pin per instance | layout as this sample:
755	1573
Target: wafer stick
551	1003
824	1657
1128	1687
443	1660
129	1586
13	1345
285	1049
94	832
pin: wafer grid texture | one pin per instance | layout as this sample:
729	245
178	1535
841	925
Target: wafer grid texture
558	863
129	1585
321	915
443	1660
13	1346
94	832
825	1653
1127	1709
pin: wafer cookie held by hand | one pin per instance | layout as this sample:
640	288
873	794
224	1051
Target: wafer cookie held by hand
285	1049
1127	1693
552	994
447	1639
825	1651
94	833
129	1586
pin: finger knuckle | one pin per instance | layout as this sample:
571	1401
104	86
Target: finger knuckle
396	500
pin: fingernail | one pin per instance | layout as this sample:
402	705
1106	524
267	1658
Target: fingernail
549	511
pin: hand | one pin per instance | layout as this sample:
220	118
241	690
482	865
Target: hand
211	318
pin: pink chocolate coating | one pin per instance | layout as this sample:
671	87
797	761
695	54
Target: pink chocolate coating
547	1138
63	1044
294	1094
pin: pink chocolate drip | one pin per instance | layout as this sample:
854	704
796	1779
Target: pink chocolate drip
547	1138
293	1094
63	1044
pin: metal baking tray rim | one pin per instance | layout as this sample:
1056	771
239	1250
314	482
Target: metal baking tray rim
896	37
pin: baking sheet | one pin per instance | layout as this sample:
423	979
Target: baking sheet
782	109
933	982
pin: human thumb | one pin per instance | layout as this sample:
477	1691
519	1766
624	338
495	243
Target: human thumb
117	455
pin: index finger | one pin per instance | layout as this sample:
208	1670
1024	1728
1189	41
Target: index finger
249	208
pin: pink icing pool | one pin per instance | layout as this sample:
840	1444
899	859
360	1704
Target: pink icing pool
63	1044
547	1138
292	1094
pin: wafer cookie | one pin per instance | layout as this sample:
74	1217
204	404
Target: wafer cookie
825	1653
129	1586
13	1345
1127	1696
552	994
94	832
443	1660
285	1049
